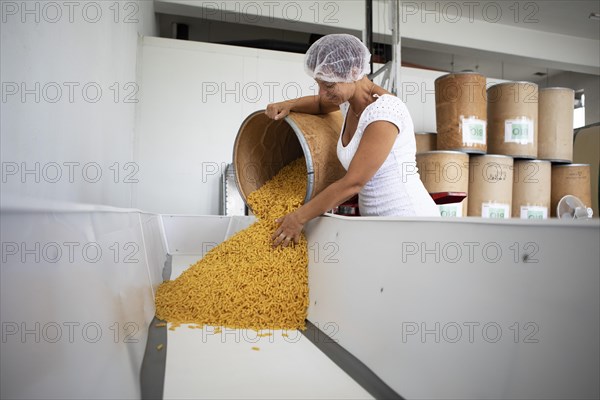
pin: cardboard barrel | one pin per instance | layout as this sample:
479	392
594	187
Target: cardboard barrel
556	109
531	189
426	141
263	146
461	112
512	114
573	179
490	186
445	171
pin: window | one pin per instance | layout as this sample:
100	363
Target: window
579	114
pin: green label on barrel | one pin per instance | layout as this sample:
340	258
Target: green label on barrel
496	213
476	131
450	210
495	210
473	131
534	212
518	131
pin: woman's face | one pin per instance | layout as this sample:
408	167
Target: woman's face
335	92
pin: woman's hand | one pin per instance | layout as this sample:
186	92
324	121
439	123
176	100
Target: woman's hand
279	110
289	229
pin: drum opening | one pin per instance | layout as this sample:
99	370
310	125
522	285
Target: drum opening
262	148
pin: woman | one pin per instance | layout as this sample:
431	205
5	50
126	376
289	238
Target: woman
376	145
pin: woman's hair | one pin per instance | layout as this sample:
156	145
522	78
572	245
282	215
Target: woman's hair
337	58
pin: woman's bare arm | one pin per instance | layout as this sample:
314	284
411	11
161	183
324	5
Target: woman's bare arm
307	104
375	146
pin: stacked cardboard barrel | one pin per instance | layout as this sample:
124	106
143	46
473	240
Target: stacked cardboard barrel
509	146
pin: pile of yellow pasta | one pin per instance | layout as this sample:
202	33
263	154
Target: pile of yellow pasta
244	282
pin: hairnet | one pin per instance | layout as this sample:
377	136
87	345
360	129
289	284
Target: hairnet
337	58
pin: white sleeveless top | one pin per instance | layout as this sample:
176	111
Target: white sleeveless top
395	189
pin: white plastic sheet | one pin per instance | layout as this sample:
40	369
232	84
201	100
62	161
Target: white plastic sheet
76	300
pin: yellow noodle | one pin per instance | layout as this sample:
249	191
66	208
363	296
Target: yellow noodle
244	282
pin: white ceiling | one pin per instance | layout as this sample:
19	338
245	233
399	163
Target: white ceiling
561	17
488	67
564	17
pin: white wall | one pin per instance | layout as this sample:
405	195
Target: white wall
69	86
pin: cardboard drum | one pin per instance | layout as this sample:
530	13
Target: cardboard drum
461	112
513	119
263	146
445	171
490	186
531	189
556	114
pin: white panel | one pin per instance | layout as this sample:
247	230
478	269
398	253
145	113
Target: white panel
76	302
155	247
179	264
448	308
188	234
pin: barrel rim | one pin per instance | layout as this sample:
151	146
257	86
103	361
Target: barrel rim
571	165
459	73
426	133
470	151
533	160
494	155
303	144
235	147
557	88
513	82
310	172
557	161
525	157
444	152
